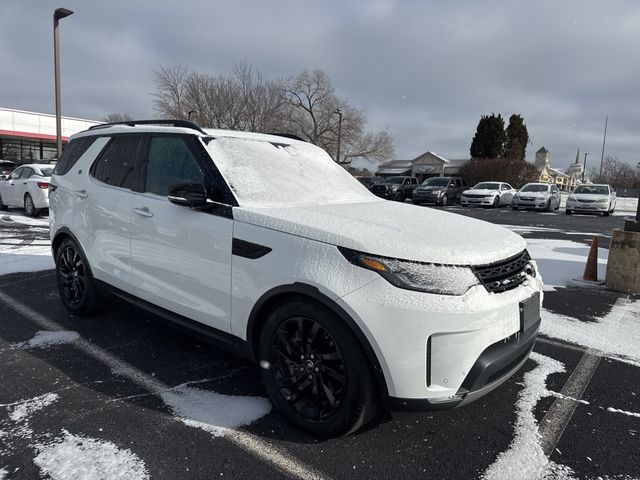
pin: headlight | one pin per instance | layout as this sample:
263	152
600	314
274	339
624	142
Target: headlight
572	198
417	276
602	199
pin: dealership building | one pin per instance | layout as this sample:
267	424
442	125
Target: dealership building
29	137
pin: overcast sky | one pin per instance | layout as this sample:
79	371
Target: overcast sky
425	71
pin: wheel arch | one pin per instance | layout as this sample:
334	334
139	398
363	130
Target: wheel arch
61	234
269	300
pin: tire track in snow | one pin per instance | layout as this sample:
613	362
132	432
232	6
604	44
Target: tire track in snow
252	444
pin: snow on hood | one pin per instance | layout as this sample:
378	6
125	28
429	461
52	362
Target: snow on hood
590	196
392	229
481	191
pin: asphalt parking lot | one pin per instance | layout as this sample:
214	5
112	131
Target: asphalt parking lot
149	402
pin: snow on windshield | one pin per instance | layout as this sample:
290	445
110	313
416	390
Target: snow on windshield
487	186
263	173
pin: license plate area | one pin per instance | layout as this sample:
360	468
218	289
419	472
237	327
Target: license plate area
529	312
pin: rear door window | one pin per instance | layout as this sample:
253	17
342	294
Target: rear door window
71	153
116	165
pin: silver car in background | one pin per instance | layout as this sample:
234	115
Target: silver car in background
488	194
540	196
592	199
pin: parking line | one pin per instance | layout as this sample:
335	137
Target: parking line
254	445
558	416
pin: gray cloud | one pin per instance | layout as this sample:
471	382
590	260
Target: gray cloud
424	70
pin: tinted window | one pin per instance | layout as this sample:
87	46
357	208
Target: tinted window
116	164
394	180
414	181
170	162
26	172
16	173
71	153
458	182
535	188
45	172
436	182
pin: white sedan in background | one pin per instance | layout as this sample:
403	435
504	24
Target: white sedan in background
592	199
489	194
27	187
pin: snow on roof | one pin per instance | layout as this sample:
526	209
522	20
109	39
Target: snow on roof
557	173
543	150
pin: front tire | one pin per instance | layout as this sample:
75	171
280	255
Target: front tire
568	212
496	202
444	200
3	207
315	370
75	283
30	207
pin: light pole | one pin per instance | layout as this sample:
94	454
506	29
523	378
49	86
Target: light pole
339	133
638	207
584	168
57	15
191	112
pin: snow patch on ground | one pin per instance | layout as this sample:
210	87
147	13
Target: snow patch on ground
27	259
626	207
73	457
525	458
560	261
24	409
45	339
3	473
214	412
616	335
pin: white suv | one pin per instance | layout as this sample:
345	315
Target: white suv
266	246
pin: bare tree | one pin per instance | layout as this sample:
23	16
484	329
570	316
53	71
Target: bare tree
616	173
312	114
117	117
304	105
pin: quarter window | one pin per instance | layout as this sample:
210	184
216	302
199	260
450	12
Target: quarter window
170	162
27	172
71	153
16	174
116	165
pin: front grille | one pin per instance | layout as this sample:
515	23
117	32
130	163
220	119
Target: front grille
528	199
584	200
506	274
379	189
471	195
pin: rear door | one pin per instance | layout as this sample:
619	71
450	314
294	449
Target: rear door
181	256
9	194
102	217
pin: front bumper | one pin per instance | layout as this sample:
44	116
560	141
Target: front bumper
425	197
439	351
387	194
535	204
484	201
587	207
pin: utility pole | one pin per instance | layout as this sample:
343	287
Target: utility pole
584	168
57	15
339	133
606	118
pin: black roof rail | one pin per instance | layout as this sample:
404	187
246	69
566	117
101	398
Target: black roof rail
133	123
288	135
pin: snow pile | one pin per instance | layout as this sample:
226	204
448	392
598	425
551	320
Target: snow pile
624	412
262	173
76	457
3	473
27	259
525	458
561	261
45	339
214	412
626	206
616	335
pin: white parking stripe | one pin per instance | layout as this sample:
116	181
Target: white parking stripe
248	442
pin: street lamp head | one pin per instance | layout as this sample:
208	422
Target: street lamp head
61	13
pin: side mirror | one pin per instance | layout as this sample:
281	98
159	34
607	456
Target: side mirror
193	195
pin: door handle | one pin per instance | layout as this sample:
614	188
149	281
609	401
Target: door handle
144	211
24	183
82	193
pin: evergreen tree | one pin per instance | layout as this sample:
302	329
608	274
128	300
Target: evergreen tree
488	142
517	138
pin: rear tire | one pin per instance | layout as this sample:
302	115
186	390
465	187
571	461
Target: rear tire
29	206
3	207
568	212
315	370
548	206
75	282
496	202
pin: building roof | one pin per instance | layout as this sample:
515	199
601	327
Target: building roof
556	173
543	150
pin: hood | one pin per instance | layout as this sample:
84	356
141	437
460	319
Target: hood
533	194
392	229
480	191
431	188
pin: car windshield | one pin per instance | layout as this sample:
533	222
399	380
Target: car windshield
262	174
395	180
436	182
535	188
46	172
592	189
487	186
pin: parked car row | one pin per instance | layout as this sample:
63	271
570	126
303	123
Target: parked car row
447	190
27	186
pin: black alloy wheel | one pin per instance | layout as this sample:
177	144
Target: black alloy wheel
29	207
444	200
75	282
548	206
315	370
3	207
568	212
399	197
